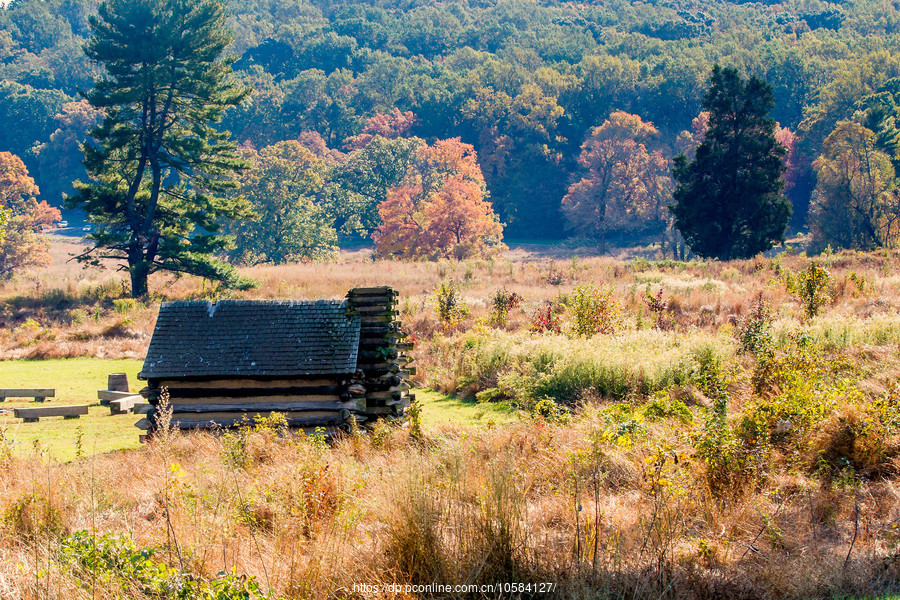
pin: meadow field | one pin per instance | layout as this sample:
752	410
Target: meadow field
587	427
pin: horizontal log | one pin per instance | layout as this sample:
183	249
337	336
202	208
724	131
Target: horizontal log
355	390
378	341
374	372
379	384
124	405
404	346
107	396
372	291
383	364
380	411
39	394
255	399
373	347
373	302
384	395
330	430
403	387
235	422
375	330
256	407
33	414
374	311
374	320
222	382
382	353
246	392
252	415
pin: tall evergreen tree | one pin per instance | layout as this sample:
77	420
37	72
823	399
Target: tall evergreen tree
728	202
159	168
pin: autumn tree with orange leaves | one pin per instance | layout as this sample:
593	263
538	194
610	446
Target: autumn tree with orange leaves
22	217
439	210
625	181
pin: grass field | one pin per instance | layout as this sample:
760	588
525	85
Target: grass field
687	430
77	380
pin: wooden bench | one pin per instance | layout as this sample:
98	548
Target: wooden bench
125	404
39	394
107	396
32	415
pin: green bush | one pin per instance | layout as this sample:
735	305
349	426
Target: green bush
502	302
124	306
117	559
721	452
548	409
594	310
449	304
812	286
662	406
755	333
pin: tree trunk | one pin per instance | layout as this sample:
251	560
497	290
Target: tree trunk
140	271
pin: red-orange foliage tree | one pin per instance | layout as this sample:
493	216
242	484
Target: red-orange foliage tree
625	182
390	126
439	210
22	216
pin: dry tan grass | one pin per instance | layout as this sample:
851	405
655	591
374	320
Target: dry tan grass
509	504
77	305
599	515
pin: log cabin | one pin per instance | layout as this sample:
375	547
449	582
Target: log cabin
318	363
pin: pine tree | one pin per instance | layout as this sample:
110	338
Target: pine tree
728	203
159	169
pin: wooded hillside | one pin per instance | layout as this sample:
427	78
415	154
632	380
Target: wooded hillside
523	82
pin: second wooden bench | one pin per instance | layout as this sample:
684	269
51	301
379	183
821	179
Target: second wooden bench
39	394
32	415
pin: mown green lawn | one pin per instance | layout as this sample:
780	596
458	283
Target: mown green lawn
77	380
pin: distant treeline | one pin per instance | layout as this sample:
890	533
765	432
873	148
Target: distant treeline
523	81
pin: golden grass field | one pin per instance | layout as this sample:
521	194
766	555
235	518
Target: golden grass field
701	447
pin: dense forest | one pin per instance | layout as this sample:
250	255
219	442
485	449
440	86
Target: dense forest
524	82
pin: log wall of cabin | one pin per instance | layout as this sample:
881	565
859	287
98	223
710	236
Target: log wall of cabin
382	359
305	403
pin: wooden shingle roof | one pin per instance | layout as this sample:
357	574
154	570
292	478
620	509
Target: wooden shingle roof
245	338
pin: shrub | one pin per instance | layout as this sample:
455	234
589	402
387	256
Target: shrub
721	452
755	333
812	286
663	406
117	559
123	306
594	310
546	318
449	304
555	276
856	438
660	309
33	516
708	373
502	302
548	409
